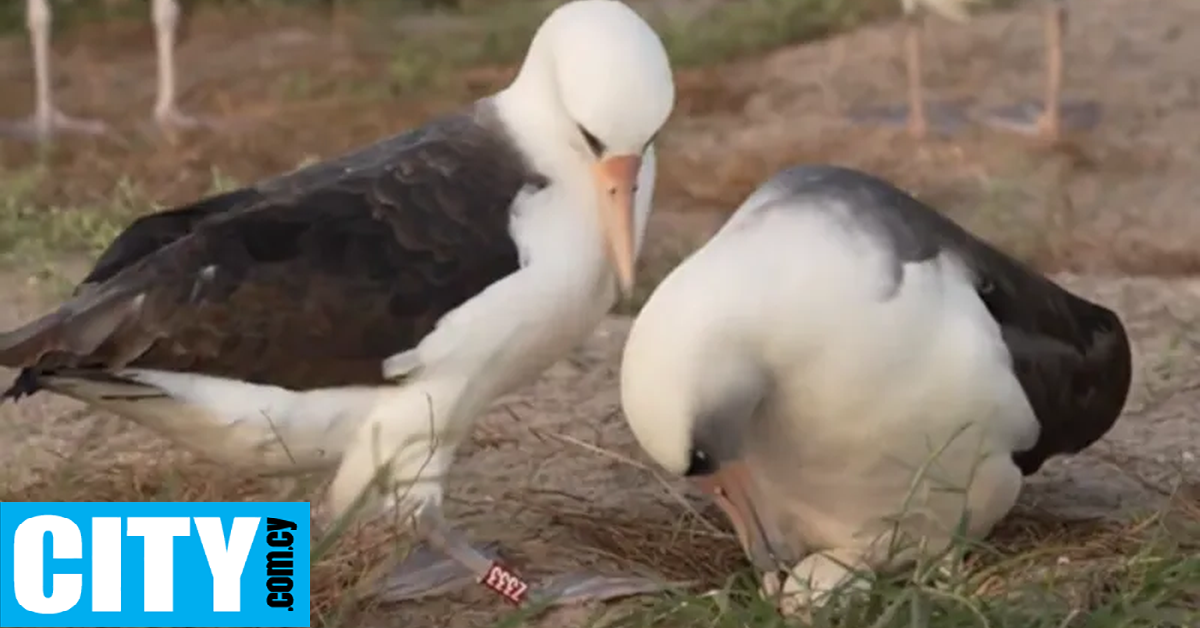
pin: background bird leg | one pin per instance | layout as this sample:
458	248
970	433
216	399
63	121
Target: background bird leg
1050	123
165	14
46	118
1049	119
918	116
918	124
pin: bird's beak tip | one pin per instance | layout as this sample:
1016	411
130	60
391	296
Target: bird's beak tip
626	286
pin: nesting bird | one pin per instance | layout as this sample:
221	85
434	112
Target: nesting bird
358	315
849	374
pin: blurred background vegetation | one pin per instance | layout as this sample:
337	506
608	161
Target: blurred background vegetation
696	31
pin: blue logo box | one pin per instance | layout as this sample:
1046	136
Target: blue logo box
154	564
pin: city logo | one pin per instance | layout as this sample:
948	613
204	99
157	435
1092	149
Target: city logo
154	564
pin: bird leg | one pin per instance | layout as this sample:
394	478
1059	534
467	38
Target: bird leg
165	14
1048	121
917	116
445	562
918	125
423	573
46	118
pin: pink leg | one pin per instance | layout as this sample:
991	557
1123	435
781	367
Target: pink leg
919	117
449	562
918	125
47	119
1048	120
166	112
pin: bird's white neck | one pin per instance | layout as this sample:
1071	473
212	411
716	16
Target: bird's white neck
566	284
558	228
533	114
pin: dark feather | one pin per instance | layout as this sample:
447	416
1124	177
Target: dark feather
1071	356
305	281
151	232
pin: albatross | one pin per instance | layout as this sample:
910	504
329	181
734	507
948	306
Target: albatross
357	315
847	372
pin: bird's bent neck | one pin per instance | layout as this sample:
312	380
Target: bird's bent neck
532	111
557	228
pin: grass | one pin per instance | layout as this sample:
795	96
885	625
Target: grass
31	234
497	32
1036	571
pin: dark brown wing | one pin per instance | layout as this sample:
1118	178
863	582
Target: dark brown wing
151	232
148	233
1071	356
313	284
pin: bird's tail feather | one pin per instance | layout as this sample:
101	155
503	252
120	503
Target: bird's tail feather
76	330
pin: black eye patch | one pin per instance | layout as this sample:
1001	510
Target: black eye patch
597	147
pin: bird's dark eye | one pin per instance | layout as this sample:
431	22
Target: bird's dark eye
593	142
701	464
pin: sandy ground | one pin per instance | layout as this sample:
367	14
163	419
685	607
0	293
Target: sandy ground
524	472
559	453
1117	197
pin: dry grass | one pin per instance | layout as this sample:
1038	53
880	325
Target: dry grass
1036	568
1043	569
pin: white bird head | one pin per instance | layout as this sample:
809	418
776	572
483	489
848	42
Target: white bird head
688	392
692	387
608	80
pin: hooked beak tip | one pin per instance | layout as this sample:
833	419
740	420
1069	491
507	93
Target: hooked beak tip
626	285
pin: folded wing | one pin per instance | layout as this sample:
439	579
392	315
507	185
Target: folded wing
305	281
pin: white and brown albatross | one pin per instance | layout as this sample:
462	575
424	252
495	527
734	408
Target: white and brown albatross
367	309
840	357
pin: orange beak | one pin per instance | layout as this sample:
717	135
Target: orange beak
731	488
616	182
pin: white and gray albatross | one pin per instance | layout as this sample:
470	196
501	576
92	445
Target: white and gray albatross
361	313
848	372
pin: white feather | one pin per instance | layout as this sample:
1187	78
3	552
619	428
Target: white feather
867	385
507	334
263	429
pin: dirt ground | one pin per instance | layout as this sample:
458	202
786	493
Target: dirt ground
1126	235
555	477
